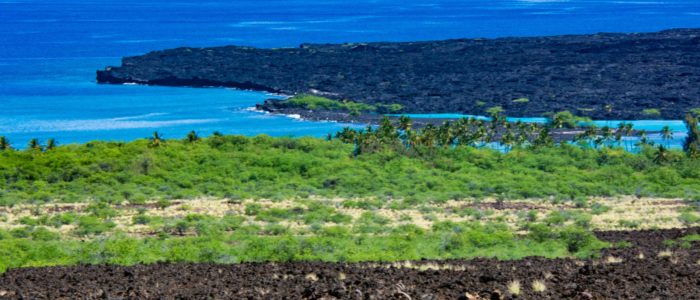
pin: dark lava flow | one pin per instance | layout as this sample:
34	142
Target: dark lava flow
603	76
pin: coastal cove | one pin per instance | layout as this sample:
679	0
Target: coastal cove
49	52
130	112
64	103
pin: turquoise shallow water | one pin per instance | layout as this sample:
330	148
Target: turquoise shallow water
49	51
69	106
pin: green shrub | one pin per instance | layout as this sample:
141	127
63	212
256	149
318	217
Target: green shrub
141	219
629	223
568	120
43	234
312	102
253	209
29	221
651	112
689	218
101	210
92	225
274	214
598	209
577	239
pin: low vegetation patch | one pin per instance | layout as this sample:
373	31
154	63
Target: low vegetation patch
306	101
225	240
652	112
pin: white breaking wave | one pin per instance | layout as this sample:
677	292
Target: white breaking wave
294	116
543	1
298	24
144	116
93	125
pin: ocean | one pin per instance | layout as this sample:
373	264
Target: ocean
49	51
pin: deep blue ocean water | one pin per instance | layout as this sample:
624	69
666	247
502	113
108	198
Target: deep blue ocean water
49	51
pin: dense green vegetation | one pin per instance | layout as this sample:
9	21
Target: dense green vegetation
381	163
306	101
225	240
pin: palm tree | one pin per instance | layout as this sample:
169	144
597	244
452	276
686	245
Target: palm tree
484	134
544	138
662	155
643	139
156	139
597	141
405	123
50	144
461	130
4	144
192	137
507	140
691	145
412	139
666	135
387	132
589	135
619	133
428	136
557	122
35	145
347	135
628	128
444	135
607	134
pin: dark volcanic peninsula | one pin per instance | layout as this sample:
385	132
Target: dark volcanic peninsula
602	76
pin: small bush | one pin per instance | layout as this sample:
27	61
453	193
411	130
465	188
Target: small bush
538	286
514	287
92	225
689	218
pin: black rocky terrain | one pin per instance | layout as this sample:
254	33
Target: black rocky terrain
603	76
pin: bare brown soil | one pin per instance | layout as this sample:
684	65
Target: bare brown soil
658	273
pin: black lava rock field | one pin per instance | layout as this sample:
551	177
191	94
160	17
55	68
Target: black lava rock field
646	269
603	76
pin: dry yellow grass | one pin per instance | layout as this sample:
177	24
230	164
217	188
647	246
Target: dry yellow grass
646	212
514	287
613	260
665	253
538	286
311	277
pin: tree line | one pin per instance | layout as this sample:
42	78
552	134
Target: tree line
497	132
506	135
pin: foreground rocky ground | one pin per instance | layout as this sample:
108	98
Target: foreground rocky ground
603	76
646	266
